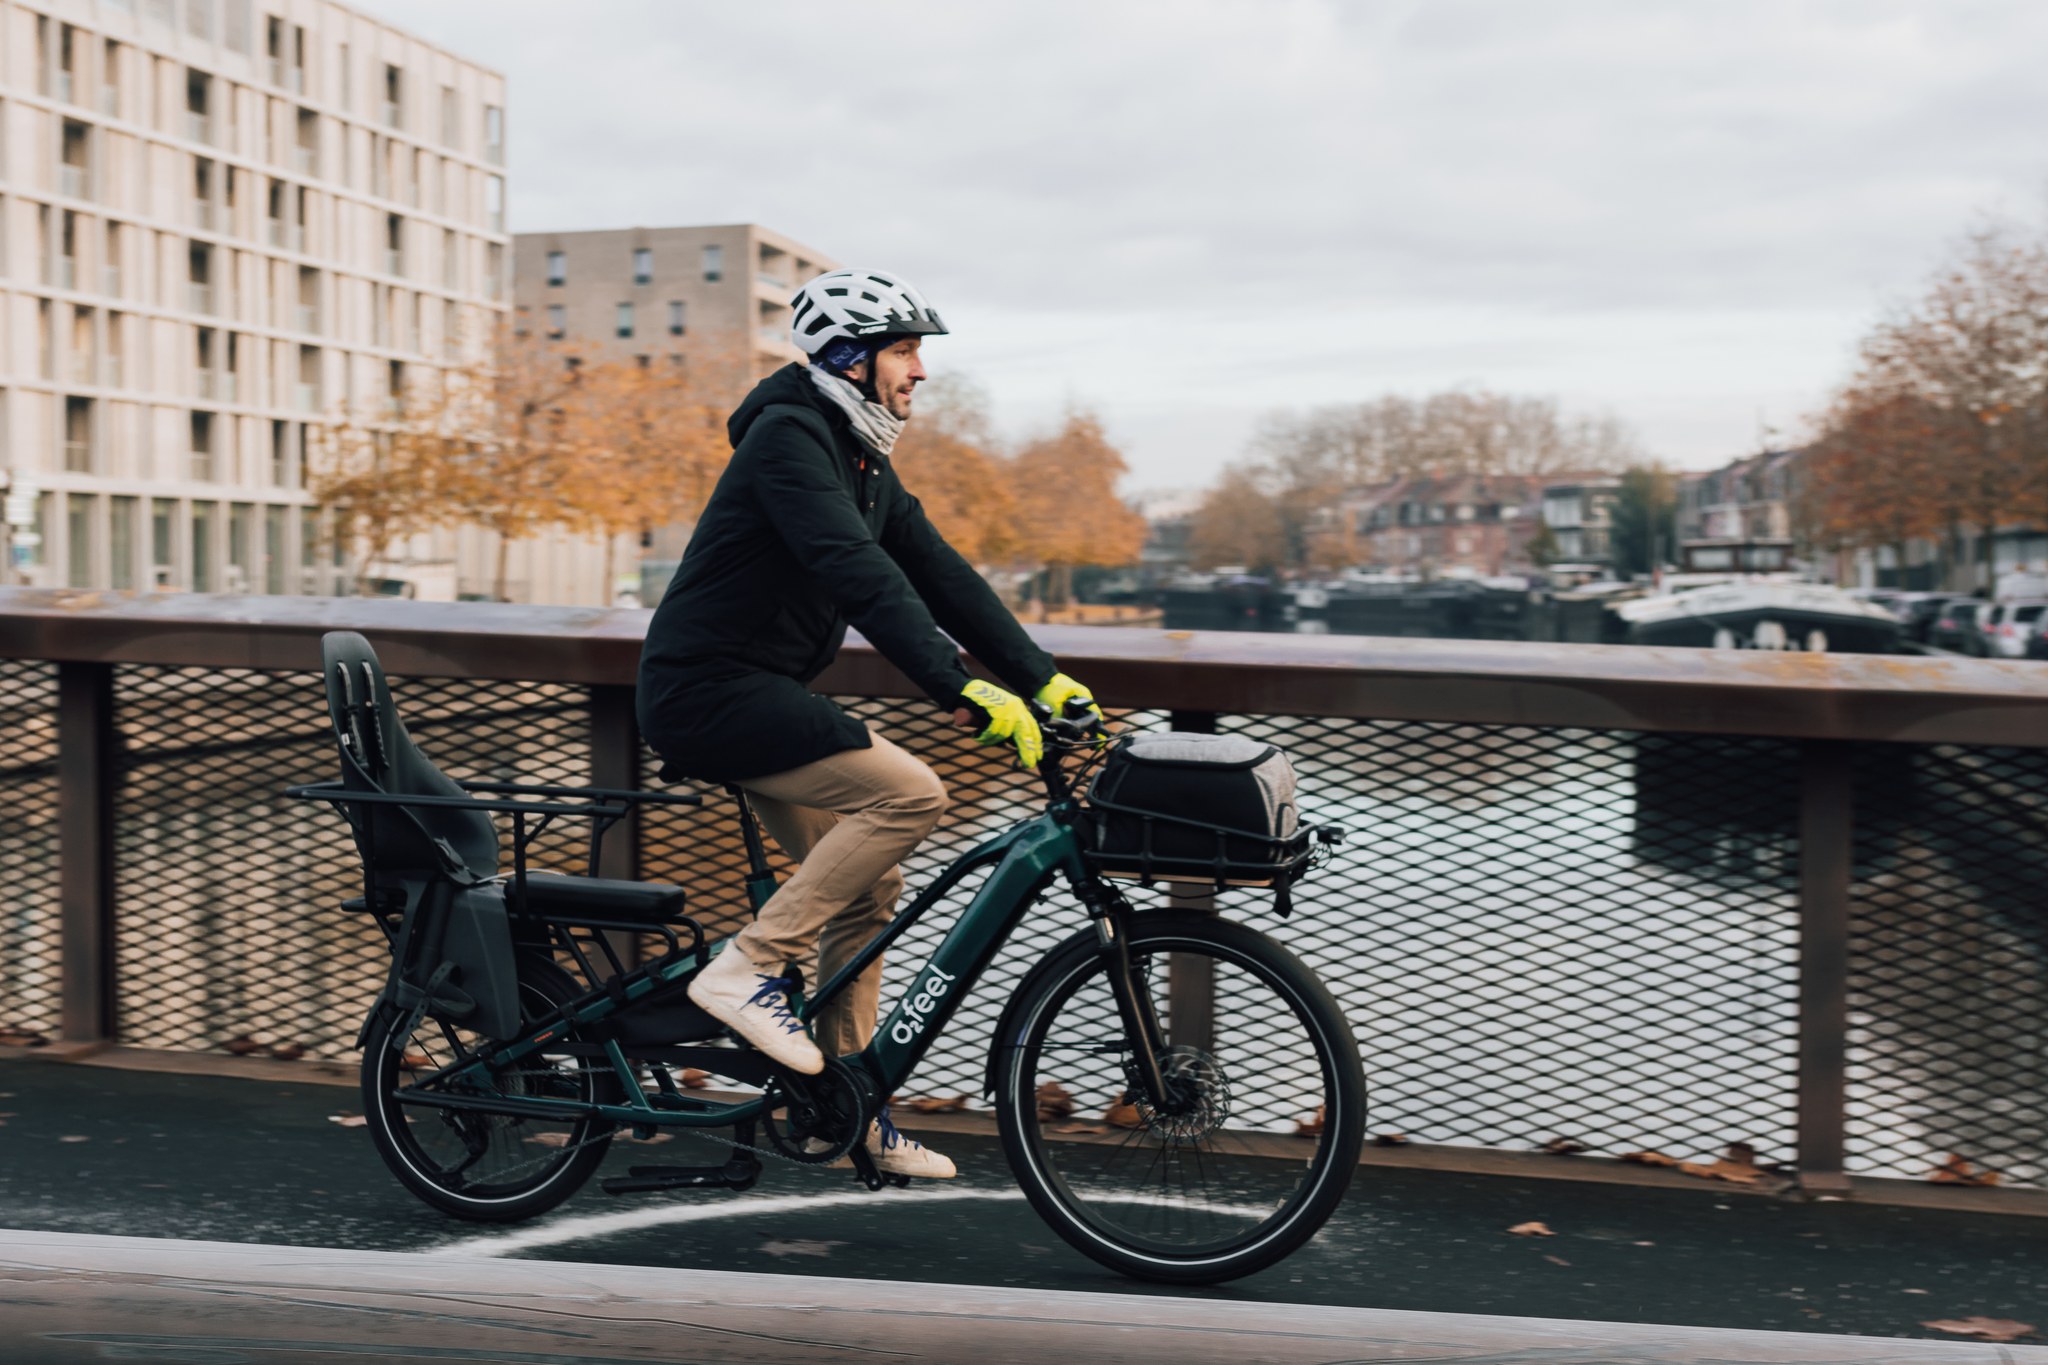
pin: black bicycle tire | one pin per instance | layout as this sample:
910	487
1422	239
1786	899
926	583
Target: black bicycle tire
1015	1098
552	986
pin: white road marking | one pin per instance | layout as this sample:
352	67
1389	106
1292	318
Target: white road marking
592	1226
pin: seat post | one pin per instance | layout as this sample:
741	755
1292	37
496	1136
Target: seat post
760	879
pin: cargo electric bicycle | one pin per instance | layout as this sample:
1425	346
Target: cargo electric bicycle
515	1035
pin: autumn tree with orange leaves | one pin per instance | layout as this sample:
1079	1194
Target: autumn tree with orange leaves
1944	428
1068	510
650	445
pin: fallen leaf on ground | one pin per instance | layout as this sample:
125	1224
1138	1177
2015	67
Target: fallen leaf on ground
74	1138
1091	1128
21	1037
693	1079
1563	1146
416	1061
1390	1139
288	1052
1983	1329
1556	1260
933	1104
1054	1102
348	1120
1124	1114
243	1045
799	1246
1310	1127
550	1139
651	1138
1650	1159
1531	1230
1957	1170
1738	1167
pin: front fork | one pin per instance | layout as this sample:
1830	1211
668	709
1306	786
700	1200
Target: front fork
1111	914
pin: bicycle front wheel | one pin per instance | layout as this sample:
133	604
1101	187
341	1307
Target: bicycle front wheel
1254	1154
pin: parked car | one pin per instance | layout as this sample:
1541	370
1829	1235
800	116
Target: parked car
2037	638
1916	612
2006	626
1955	626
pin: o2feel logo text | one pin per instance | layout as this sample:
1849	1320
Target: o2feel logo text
918	1009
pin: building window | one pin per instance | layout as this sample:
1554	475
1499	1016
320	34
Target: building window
494	202
714	264
625	322
394	87
643	266
675	317
202	446
199	18
79	509
494	135
205	516
558	320
558	267
450	118
78	437
121	543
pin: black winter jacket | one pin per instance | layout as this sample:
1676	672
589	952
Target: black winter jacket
807	530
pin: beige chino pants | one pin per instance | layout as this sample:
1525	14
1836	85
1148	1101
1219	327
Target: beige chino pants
847	820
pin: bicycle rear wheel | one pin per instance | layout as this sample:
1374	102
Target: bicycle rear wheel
1259	1150
493	1168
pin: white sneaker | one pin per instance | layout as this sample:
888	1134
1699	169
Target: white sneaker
895	1154
755	1005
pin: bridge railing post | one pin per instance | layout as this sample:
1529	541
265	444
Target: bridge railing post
1826	864
86	774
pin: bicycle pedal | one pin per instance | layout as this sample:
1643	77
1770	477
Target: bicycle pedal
897	1179
864	1169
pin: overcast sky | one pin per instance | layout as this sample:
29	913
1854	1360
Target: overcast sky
1183	214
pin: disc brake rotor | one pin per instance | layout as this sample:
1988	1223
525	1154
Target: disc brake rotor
1201	1092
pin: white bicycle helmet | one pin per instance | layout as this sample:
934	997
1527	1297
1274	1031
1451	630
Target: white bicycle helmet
855	305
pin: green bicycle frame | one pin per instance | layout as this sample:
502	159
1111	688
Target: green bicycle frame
1027	857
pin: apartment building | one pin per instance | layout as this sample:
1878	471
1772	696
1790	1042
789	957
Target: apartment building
665	295
713	297
223	222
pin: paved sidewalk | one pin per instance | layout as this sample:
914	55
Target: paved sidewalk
88	1149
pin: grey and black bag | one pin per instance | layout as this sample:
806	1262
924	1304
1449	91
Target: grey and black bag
1174	806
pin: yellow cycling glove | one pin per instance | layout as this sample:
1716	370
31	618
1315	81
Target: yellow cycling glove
1062	689
1009	721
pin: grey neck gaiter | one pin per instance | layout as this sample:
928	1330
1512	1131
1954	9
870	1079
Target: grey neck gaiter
872	422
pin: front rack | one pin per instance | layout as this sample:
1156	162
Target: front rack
1290	861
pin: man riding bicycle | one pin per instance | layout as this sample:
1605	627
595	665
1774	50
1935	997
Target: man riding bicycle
808	530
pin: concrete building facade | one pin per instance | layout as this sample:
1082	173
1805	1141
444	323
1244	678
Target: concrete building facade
223	222
666	296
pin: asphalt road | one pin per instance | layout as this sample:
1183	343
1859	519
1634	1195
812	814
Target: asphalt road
98	1150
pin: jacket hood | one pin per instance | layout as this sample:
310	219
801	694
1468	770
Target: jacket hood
787	385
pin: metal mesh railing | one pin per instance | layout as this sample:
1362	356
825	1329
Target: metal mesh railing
228	927
29	915
1948	942
1537	932
1536	938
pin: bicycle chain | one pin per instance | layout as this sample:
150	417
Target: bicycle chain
701	1134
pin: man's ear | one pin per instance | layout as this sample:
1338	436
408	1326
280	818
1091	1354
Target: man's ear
857	372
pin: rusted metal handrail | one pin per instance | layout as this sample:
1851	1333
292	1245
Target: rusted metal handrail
1626	687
